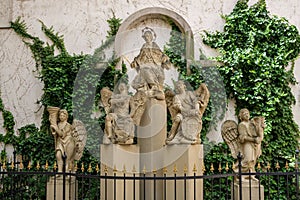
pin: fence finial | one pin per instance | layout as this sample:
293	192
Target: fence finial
90	169
212	167
82	167
46	165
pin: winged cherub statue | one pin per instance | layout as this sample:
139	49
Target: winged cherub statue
121	114
69	138
245	138
186	109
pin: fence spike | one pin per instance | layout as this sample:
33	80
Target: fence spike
46	165
115	169
29	165
4	165
175	169
220	167
90	169
203	167
144	169
185	169
268	166
97	168
233	166
277	165
258	166
76	167
165	170
154	171
105	169
212	167
124	169
226	167
133	169
54	166
21	166
38	165
194	168
82	167
12	166
286	165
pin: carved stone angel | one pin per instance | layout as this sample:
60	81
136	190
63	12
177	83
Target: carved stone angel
150	65
120	109
186	109
69	138
246	138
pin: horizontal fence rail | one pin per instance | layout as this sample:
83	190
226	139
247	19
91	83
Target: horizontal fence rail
26	180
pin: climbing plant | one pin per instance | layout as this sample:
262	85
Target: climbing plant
256	49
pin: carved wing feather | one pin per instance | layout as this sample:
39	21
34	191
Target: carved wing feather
169	95
80	136
203	95
230	135
105	98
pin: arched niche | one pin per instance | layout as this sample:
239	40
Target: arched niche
129	36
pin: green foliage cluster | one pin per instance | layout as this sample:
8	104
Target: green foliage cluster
71	82
256	48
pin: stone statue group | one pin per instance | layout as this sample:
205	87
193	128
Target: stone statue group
124	113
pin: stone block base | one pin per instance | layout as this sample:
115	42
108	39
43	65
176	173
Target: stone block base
55	188
257	191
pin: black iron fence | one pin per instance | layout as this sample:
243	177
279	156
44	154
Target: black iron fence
27	181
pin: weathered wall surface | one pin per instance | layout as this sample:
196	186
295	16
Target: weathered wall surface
83	23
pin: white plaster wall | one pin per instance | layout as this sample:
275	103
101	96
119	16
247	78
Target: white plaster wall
83	23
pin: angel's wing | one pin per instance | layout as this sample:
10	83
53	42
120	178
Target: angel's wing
169	95
105	97
80	136
203	94
230	135
137	106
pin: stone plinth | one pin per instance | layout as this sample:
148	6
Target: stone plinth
151	136
183	158
114	158
257	191
55	188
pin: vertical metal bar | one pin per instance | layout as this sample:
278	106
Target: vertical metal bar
124	186
144	186
297	176
250	185
154	186
175	187
269	184
55	184
105	186
239	156
233	191
165	186
287	186
195	192
259	192
115	185
227	188
64	175
185	186
133	186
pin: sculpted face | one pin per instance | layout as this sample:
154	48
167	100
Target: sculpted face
122	87
245	115
180	87
63	116
148	36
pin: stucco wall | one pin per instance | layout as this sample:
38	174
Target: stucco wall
83	23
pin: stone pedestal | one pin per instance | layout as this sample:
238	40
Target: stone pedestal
257	191
55	188
151	135
183	158
113	160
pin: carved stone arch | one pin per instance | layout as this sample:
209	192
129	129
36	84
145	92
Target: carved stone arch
139	17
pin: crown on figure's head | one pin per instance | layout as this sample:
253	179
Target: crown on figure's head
147	29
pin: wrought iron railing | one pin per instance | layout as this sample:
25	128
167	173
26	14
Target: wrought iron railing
24	181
